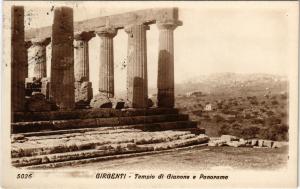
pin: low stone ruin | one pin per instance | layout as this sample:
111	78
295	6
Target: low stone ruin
229	140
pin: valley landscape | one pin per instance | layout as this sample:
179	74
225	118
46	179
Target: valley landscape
243	105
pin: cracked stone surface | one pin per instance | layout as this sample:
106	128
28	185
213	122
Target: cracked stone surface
95	142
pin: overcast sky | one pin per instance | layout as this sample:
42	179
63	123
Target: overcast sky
242	37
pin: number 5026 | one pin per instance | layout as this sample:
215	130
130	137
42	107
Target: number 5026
24	176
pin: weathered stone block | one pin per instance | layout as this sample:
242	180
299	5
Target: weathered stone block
254	142
228	138
83	93
217	143
236	144
268	143
45	86
32	85
37	103
117	103
100	101
277	144
260	143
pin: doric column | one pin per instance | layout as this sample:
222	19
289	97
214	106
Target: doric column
18	59
81	68
38	58
165	77
106	73
83	86
137	84
28	44
62	61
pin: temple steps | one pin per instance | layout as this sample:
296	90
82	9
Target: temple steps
21	127
43	155
178	125
39	143
61	138
89	113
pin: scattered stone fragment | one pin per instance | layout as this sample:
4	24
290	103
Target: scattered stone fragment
242	142
83	93
117	103
217	143
233	143
100	101
261	143
268	143
228	138
278	144
254	142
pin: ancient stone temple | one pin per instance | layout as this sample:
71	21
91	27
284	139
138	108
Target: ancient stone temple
61	106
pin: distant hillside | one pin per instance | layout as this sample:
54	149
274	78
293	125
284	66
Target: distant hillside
234	84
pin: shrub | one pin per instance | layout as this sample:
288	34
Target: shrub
236	125
197	112
218	118
278	132
274	102
254	102
224	130
283	96
258	121
250	132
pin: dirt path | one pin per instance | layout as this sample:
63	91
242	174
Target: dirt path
204	158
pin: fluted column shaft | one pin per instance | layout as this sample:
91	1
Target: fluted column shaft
165	77
83	86
82	56
38	58
62	62
28	44
106	73
137	82
18	58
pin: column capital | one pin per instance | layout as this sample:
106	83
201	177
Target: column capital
84	36
168	24
28	44
107	32
41	41
128	29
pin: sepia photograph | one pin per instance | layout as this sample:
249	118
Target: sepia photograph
154	94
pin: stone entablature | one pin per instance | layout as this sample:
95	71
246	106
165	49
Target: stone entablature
118	21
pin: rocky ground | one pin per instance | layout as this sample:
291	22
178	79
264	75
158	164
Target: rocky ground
233	141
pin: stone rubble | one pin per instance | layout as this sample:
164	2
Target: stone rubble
229	140
100	101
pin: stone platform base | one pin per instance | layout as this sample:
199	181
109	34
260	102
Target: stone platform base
57	149
57	138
